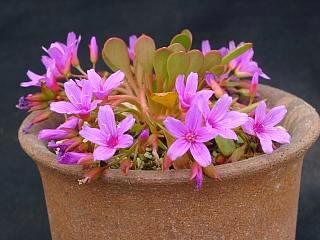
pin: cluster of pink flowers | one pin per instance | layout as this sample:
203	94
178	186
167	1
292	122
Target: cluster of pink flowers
102	112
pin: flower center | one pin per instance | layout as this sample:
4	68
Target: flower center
190	137
258	127
112	141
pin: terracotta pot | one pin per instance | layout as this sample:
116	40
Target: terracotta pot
256	199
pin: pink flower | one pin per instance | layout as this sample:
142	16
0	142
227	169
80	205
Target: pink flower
263	126
65	130
48	79
65	55
219	119
93	50
132	42
80	100
243	65
188	93
110	136
72	45
102	88
189	136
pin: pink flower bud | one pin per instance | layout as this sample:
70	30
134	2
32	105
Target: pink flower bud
144	135
254	84
93	50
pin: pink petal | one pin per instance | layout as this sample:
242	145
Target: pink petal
201	154
220	108
94	135
265	142
205	47
260	112
73	92
193	118
103	153
125	141
180	86
203	105
71	38
233	119
106	120
113	81
278	135
175	127
275	115
94	105
72	122
86	94
225	133
94	79
64	107
191	85
204	134
248	126
178	148
125	124
205	94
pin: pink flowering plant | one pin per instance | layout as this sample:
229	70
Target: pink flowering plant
153	108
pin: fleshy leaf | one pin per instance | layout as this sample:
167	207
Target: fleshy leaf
196	61
210	171
183	39
144	52
177	47
236	53
218	69
160	66
177	63
226	146
237	154
188	33
211	59
115	55
167	99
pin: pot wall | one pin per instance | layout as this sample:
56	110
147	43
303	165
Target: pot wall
260	206
256	199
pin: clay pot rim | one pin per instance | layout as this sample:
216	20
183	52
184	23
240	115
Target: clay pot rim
39	152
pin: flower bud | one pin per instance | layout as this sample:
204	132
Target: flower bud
93	50
254	84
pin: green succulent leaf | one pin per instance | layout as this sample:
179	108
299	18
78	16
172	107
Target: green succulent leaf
183	39
177	47
144	52
160	65
237	154
236	53
196	61
177	63
188	33
218	69
115	55
226	146
211	59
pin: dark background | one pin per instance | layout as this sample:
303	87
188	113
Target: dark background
286	38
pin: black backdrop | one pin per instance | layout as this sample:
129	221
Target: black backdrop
286	37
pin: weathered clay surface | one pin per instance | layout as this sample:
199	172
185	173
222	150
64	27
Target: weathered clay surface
256	199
